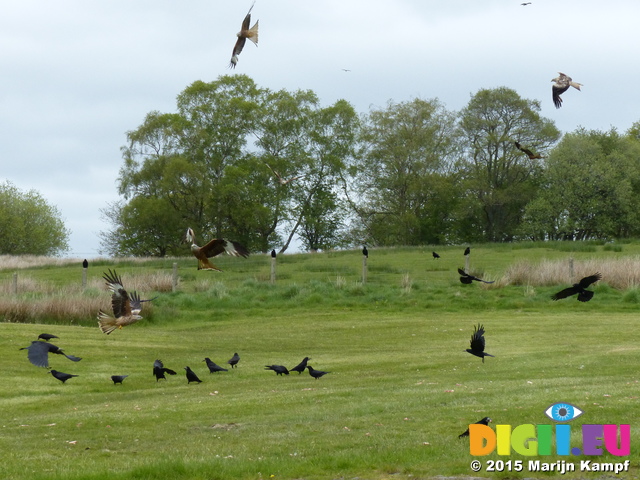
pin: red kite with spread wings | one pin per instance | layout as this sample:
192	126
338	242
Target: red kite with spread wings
561	85
244	33
212	249
126	307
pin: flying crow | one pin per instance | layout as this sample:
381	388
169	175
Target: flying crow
38	353
477	343
579	288
466	278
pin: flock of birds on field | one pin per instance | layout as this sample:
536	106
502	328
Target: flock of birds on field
126	307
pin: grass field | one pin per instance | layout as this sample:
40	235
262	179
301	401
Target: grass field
401	387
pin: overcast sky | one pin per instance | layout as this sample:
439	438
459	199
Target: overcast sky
76	75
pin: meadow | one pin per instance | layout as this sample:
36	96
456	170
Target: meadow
401	387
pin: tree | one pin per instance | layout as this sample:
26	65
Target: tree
496	179
402	171
590	191
29	225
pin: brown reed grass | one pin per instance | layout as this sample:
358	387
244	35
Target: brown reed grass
621	273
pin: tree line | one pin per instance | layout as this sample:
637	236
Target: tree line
260	166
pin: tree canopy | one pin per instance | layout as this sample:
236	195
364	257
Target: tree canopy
260	166
29	225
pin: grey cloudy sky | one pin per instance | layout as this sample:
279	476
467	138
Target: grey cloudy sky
76	75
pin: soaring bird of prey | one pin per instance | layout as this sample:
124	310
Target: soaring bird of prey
467	251
38	353
466	278
63	377
212	249
233	361
561	85
117	379
281	180
244	33
484	421
435	255
126	307
315	373
159	370
46	336
191	376
529	153
301	366
279	369
213	366
477	343
579	288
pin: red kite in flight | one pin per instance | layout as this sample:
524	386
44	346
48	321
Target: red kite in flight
244	33
561	85
281	180
212	249
126	307
530	154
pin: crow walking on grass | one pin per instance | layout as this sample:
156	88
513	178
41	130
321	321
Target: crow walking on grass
484	421
279	369
477	343
301	366
316	373
117	379
191	376
233	361
435	255
38	353
213	366
159	370
63	377
579	288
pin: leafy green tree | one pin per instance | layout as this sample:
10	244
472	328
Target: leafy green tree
402	174
591	189
29	225
497	180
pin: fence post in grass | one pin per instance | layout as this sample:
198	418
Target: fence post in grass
273	267
364	269
174	277
571	269
15	283
466	263
85	267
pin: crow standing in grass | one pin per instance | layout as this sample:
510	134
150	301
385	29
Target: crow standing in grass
435	255
159	370
316	373
213	366
191	376
117	379
46	336
579	288
484	421
38	353
279	369
301	366
477	343
233	361
63	377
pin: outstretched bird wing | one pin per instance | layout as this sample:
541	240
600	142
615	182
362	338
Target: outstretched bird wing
567	292
477	339
245	32
219	245
586	281
120	303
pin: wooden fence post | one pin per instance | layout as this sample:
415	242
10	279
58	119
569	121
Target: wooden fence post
273	269
15	283
571	271
174	277
364	269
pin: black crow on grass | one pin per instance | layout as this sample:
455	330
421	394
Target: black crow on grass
117	379
191	376
233	361
279	369
484	421
301	366
63	377
159	370
315	373
213	366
